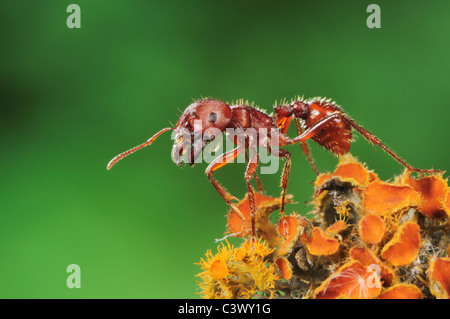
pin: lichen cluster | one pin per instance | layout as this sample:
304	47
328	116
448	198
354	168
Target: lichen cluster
367	238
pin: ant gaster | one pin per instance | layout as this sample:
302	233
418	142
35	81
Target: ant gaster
318	119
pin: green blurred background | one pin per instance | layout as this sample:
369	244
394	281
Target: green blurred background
71	99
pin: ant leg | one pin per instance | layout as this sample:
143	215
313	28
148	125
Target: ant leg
310	132
376	141
306	149
257	179
284	176
282	122
220	161
251	169
258	182
313	130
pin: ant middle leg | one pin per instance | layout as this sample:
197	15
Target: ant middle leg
283	120
305	148
258	182
255	175
284	175
249	173
284	179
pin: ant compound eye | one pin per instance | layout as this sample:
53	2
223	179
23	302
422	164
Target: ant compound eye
213	117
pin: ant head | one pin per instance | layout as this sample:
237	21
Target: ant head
205	114
199	124
301	109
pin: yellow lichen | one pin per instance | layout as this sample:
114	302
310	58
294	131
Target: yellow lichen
248	264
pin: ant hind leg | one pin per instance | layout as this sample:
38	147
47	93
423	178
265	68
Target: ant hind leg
376	141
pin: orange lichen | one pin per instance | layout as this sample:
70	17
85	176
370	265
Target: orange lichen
265	205
321	244
337	227
367	258
447	204
322	178
352	171
434	190
235	221
289	228
401	291
285	267
373	177
363	255
439	276
348	170
350	281
364	238
372	229
388	198
402	249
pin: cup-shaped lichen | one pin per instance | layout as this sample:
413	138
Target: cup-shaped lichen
367	239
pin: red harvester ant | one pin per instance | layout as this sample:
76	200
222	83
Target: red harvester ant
319	119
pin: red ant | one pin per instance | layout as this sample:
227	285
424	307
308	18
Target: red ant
319	119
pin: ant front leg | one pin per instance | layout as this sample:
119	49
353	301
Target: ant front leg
220	161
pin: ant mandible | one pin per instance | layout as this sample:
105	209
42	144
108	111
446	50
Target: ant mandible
318	119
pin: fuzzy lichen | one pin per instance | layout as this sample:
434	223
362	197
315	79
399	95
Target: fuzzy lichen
368	239
238	272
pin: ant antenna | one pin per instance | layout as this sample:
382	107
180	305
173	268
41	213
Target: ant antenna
134	149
